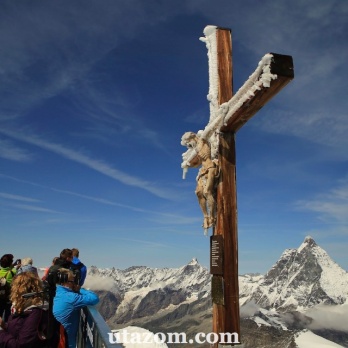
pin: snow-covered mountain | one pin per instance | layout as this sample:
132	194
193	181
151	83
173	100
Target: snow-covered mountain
301	278
193	277
280	303
143	291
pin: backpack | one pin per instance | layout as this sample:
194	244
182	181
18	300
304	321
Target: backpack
5	287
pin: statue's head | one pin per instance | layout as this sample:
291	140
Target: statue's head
189	139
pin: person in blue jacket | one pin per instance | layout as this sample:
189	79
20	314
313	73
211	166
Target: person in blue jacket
68	301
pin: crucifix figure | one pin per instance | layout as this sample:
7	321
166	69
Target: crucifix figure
217	193
206	178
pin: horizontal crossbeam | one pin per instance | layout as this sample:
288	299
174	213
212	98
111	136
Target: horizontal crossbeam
282	66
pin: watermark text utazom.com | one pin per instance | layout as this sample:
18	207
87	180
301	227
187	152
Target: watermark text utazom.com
123	336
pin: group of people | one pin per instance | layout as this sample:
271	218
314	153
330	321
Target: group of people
42	313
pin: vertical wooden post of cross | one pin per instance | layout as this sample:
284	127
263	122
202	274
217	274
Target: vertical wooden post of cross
226	314
225	288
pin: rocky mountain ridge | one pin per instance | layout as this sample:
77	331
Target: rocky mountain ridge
276	303
300	279
142	291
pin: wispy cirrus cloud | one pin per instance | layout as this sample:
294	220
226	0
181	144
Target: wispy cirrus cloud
97	165
157	216
11	152
23	203
51	39
330	206
318	127
17	197
153	215
108	113
28	207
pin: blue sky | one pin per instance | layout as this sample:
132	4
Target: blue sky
94	99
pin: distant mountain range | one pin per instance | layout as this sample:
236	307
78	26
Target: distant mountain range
304	292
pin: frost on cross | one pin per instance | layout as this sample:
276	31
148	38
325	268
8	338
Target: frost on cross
203	146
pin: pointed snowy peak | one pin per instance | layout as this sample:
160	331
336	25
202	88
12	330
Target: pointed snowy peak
303	277
192	267
309	242
193	262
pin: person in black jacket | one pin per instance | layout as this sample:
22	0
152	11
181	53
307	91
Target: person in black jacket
63	261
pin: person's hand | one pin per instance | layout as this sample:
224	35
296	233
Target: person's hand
2	323
17	263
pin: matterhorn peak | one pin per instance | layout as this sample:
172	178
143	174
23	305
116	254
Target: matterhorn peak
302	277
308	242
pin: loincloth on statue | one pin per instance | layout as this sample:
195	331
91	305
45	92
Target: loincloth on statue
204	171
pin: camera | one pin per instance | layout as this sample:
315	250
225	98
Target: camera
17	262
34	294
59	278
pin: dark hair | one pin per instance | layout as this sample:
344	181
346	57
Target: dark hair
75	252
6	260
65	253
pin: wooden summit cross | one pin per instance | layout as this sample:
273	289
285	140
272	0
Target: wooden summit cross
228	114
